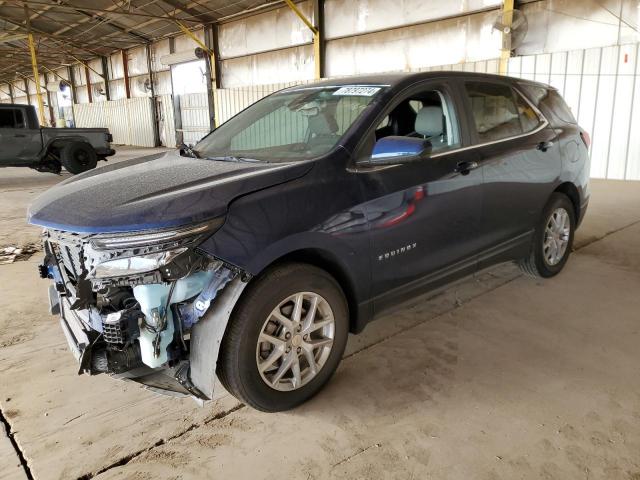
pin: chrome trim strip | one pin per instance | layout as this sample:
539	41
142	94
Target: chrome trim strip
543	125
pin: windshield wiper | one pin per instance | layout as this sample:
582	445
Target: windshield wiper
189	151
233	158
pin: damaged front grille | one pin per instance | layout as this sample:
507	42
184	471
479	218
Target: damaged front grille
71	257
68	249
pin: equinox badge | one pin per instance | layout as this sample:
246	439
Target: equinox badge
398	251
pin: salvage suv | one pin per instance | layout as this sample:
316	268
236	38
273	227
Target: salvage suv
248	258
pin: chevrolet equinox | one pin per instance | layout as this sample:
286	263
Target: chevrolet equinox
248	258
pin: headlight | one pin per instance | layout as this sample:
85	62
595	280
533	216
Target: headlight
122	241
134	265
122	254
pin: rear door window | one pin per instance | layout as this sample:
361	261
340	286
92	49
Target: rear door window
494	110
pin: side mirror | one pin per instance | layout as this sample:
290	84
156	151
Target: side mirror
393	150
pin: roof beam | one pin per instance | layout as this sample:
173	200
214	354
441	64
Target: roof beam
32	3
52	36
204	17
115	26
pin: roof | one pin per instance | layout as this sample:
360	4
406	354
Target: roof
403	79
87	29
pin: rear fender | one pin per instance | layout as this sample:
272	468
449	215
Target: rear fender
59	142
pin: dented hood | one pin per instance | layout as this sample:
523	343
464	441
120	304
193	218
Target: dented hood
157	191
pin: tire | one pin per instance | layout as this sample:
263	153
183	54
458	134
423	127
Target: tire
78	157
541	261
243	347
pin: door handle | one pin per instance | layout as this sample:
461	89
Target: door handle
18	135
544	146
465	167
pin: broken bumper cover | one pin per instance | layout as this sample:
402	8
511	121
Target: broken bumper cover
194	310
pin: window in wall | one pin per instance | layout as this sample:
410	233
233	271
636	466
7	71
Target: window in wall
6	118
495	113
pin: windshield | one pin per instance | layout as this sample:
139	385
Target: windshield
293	125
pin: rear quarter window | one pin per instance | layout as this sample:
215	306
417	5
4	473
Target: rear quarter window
550	103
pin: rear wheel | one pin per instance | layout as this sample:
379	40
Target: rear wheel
285	339
553	239
78	157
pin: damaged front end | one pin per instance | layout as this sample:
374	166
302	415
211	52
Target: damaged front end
148	307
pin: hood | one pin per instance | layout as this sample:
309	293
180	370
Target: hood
156	191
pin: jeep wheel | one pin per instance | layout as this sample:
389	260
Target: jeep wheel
78	157
285	339
553	239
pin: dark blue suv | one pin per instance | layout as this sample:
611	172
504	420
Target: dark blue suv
249	257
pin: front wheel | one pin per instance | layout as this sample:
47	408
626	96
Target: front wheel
285	339
552	240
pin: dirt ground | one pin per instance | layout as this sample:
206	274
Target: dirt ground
497	377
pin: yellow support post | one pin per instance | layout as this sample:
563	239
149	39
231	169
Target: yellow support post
507	20
316	36
201	44
34	65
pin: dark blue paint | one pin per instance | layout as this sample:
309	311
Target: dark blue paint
345	217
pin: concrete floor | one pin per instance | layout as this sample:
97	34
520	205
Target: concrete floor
497	377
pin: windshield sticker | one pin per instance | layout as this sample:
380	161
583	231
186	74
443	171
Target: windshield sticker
360	91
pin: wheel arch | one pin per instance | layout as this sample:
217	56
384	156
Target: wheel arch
571	191
57	143
328	262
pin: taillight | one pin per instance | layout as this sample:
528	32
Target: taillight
586	139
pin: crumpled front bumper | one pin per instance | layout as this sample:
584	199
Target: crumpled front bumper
194	376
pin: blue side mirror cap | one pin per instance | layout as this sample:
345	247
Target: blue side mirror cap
392	150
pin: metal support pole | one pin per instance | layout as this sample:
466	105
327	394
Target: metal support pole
52	117
55	74
72	80
11	94
217	64
317	40
177	114
105	75
88	82
210	66
26	91
34	64
209	51
507	20
154	104
125	66
74	99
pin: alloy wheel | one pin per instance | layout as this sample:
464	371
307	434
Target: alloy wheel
556	236
295	341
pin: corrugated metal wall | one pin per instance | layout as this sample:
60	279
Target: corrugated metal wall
130	121
167	126
600	85
194	113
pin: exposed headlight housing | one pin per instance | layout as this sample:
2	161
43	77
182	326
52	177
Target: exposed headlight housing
131	253
121	267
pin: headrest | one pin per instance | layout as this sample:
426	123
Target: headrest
429	121
322	124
